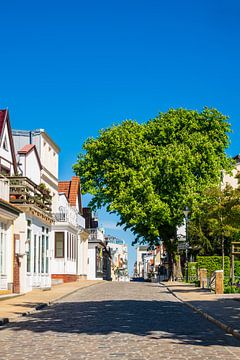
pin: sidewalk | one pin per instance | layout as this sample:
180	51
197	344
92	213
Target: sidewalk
223	310
15	306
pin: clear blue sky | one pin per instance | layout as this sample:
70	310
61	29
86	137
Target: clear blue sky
73	67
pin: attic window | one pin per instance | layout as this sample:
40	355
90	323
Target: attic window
5	144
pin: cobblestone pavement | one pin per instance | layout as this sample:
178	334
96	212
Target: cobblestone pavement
117	321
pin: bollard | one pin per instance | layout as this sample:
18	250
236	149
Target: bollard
219	288
203	278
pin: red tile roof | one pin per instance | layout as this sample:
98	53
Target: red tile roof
63	187
4	118
71	190
26	149
74	190
3	114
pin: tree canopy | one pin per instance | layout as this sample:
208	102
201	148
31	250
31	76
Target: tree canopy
216	219
147	173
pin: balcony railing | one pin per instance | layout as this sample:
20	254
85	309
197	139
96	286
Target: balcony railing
60	217
71	216
4	188
96	235
23	191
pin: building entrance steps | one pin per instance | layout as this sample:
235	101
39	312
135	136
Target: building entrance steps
14	306
223	310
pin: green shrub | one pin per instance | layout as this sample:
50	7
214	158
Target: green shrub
237	268
192	271
231	289
212	263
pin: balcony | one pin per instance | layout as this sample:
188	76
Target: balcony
26	194
4	188
96	235
60	217
71	216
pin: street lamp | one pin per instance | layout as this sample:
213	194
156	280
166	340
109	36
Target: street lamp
186	212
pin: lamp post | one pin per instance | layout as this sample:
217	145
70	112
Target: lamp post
186	212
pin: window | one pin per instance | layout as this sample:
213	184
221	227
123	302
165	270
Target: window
68	245
39	252
29	236
5	171
35	255
43	253
3	236
59	244
46	270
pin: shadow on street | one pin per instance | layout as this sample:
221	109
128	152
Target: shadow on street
161	319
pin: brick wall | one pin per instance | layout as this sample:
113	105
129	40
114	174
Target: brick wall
65	277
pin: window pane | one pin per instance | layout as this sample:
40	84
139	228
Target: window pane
47	254
43	253
35	254
59	244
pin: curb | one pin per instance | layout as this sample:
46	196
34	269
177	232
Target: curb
228	329
4	321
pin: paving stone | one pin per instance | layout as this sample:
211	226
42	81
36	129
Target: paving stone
117	321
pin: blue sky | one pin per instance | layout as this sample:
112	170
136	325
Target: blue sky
74	67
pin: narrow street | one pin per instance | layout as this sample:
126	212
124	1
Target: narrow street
117	321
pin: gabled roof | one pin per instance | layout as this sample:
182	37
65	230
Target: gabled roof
27	149
3	114
4	119
63	187
72	191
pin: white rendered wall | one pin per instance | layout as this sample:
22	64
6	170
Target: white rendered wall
33	171
30	280
63	265
7	275
6	154
82	256
49	160
91	272
231	179
30	167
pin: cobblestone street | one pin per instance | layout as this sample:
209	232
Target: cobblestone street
117	321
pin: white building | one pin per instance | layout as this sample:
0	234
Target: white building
142	251
34	224
48	152
95	254
70	240
119	254
35	191
8	212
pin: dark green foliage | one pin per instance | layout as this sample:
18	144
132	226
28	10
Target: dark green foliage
212	263
237	268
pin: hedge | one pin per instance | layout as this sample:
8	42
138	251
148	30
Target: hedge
212	263
237	268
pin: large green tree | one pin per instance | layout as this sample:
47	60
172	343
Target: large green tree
147	173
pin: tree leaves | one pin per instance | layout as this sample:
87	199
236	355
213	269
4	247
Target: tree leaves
147	172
